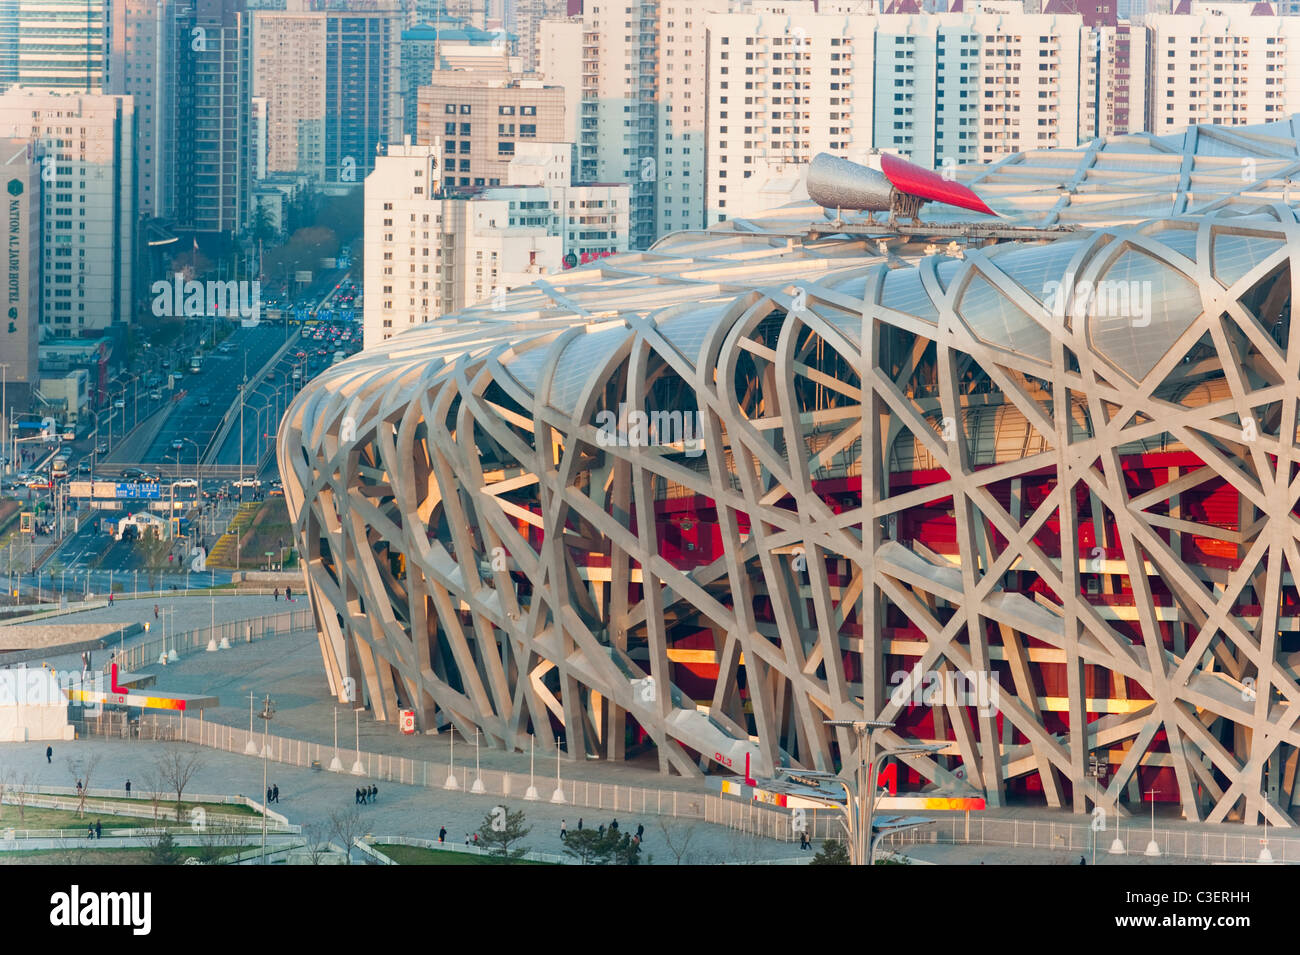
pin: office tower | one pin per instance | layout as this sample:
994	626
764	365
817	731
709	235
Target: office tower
52	44
20	292
88	203
480	120
141	63
332	85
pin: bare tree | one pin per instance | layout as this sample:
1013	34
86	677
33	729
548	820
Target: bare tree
19	790
6	783
176	767
154	787
677	840
348	827
218	838
82	770
315	842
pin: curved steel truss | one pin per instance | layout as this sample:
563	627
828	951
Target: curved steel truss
636	509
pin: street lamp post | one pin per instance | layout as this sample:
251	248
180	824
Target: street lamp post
268	711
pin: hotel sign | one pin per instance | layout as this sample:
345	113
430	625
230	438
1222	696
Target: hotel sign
14	191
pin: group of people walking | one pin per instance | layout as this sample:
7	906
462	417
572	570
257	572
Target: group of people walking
367	794
288	593
272	794
613	827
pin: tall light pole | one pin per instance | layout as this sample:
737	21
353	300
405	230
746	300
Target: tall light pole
268	711
4	408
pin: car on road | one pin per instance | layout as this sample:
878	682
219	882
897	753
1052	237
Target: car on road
247	482
83	467
205	402
101	449
186	482
177	444
156	395
119	403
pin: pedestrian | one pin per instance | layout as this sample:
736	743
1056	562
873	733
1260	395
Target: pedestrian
1082	861
90	832
564	829
803	841
288	594
49	754
276	791
99	829
467	838
110	600
155	611
78	785
601	830
442	834
374	792
476	838
268	794
640	831
128	789
613	826
580	824
277	594
356	796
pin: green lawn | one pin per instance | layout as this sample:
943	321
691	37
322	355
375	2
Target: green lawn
229	809
131	856
35	817
418	855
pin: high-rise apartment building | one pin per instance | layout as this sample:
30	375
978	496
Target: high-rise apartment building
524	22
141	63
20	292
331	81
1221	65
786	83
428	252
52	44
480	120
212	116
88	203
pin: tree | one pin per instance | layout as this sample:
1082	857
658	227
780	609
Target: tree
502	829
154	787
175	768
592	847
82	771
832	852
677	840
19	791
218	838
585	845
315	842
163	851
347	827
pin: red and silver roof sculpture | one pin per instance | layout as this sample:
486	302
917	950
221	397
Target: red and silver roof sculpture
1036	504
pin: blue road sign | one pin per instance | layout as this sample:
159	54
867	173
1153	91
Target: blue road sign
139	491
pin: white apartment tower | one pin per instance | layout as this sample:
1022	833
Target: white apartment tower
1221	66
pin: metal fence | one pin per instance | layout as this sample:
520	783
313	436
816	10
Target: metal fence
751	818
370	845
1073	840
146	652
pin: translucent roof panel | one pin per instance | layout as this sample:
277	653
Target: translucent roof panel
1235	255
995	320
582	357
904	292
1037	268
1182	241
527	367
1138	310
688	332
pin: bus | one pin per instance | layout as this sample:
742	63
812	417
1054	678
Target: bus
196	363
59	468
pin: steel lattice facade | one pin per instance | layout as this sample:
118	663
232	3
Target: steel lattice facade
662	502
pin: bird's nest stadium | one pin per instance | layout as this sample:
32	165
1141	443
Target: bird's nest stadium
1031	496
